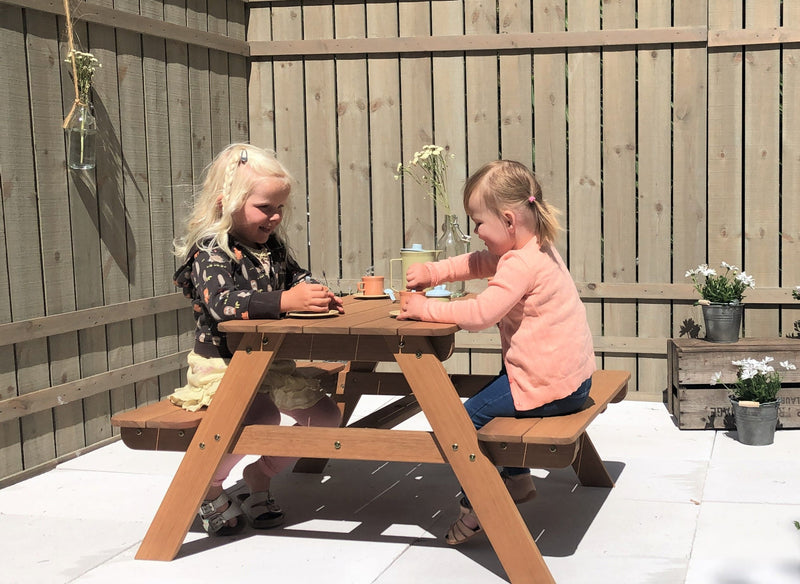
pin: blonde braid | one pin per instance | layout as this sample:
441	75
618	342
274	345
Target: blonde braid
230	173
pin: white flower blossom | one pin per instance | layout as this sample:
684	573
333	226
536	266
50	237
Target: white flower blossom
428	168
716	378
788	366
706	271
748	281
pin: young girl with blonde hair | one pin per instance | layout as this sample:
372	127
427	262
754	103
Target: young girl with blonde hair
548	358
237	266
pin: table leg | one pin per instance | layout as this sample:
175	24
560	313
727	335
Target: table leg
589	466
213	439
457	438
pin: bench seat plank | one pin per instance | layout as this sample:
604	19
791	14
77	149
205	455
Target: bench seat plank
151	416
557	441
607	386
165	426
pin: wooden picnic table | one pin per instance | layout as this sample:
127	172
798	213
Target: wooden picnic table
365	333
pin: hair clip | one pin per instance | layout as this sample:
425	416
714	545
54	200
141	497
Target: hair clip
532	198
243	157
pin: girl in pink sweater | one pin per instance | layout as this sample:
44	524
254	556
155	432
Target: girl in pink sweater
548	358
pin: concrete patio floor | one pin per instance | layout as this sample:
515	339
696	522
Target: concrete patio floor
689	506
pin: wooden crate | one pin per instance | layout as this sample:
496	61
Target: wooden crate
691	363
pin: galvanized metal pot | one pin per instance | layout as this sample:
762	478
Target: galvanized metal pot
723	322
756	424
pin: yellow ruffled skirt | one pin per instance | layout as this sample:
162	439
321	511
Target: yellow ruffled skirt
288	390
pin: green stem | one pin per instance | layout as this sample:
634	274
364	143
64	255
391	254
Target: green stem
83	133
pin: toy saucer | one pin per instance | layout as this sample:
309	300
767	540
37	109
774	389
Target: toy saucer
304	314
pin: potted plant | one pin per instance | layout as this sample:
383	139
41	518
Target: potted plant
722	296
428	168
754	399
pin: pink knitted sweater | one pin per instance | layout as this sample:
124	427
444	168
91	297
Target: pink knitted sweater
546	341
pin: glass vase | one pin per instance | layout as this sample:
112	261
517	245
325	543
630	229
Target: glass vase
81	138
452	243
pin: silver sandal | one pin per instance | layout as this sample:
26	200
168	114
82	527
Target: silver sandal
216	522
261	509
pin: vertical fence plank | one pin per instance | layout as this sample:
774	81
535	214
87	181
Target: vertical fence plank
516	112
416	122
137	193
290	140
180	153
449	93
21	222
654	196
44	63
385	148
12	101
619	180
84	214
725	118
762	165
218	79
351	107
688	156
550	111
261	104
154	65
482	145
114	224
790	166
323	171
585	205
449	109
199	92
237	74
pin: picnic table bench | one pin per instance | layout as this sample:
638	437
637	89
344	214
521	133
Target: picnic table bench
555	442
362	337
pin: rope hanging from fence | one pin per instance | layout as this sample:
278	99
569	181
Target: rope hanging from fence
71	43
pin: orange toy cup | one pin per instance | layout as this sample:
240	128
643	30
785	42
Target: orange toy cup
371	285
406	294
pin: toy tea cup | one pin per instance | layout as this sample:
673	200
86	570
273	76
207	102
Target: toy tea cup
371	286
406	294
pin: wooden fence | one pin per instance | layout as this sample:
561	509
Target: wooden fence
668	133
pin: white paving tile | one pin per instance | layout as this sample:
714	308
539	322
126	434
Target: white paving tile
54	550
617	570
689	506
747	531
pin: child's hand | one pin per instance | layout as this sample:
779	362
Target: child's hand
335	303
418	277
413	308
307	298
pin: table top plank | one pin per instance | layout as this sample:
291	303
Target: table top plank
361	317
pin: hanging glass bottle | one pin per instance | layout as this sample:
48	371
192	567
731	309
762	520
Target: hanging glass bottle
81	137
453	242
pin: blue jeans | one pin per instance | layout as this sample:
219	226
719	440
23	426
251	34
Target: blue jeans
495	401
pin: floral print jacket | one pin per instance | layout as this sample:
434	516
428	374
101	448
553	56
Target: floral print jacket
223	289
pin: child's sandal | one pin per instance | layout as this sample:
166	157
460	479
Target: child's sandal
460	532
262	510
215	522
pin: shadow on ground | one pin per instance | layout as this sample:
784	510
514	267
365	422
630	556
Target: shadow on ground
414	504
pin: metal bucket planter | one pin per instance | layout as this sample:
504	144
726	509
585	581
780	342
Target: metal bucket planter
723	322
756	424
